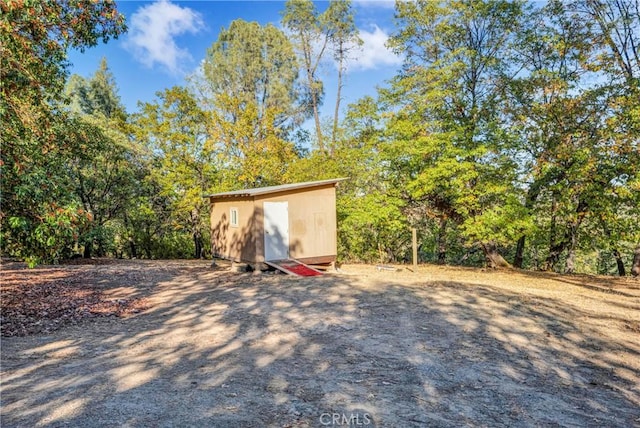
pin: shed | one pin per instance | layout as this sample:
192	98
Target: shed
291	221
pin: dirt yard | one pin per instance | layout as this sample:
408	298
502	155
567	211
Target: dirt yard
169	344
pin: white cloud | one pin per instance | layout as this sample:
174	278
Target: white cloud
152	33
374	53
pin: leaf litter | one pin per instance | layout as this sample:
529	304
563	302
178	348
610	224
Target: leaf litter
43	300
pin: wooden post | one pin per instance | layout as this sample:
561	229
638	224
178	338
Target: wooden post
414	243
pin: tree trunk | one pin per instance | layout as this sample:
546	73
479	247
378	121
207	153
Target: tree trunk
554	248
442	242
337	108
315	98
571	257
132	244
635	266
494	259
621	270
132	249
554	256
197	241
570	266
196	233
570	236
87	250
518	259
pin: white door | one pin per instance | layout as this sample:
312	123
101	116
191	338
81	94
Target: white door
276	230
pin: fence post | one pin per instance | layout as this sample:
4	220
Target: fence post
414	243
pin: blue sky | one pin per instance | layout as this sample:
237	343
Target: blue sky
167	40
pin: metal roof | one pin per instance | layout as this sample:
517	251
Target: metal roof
273	189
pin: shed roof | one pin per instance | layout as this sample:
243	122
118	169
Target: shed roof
273	189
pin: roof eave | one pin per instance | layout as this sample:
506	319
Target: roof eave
269	190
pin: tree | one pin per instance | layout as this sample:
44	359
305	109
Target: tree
302	20
550	49
343	39
249	87
576	138
617	32
35	39
43	216
258	66
183	159
102	172
105	180
38	138
446	135
97	96
313	34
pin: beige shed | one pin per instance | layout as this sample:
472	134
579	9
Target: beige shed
291	221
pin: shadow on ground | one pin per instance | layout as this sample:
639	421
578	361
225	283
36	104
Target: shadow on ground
241	350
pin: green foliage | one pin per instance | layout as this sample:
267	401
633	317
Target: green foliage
102	171
182	168
40	193
49	237
511	127
577	154
97	96
38	138
257	67
502	223
372	228
252	102
35	36
445	141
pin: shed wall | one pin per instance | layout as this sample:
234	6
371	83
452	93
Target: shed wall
235	242
312	225
312	222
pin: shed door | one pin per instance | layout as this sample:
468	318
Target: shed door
276	230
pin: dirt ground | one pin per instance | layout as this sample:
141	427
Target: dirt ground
361	347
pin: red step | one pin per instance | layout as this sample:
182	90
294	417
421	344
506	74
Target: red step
293	267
